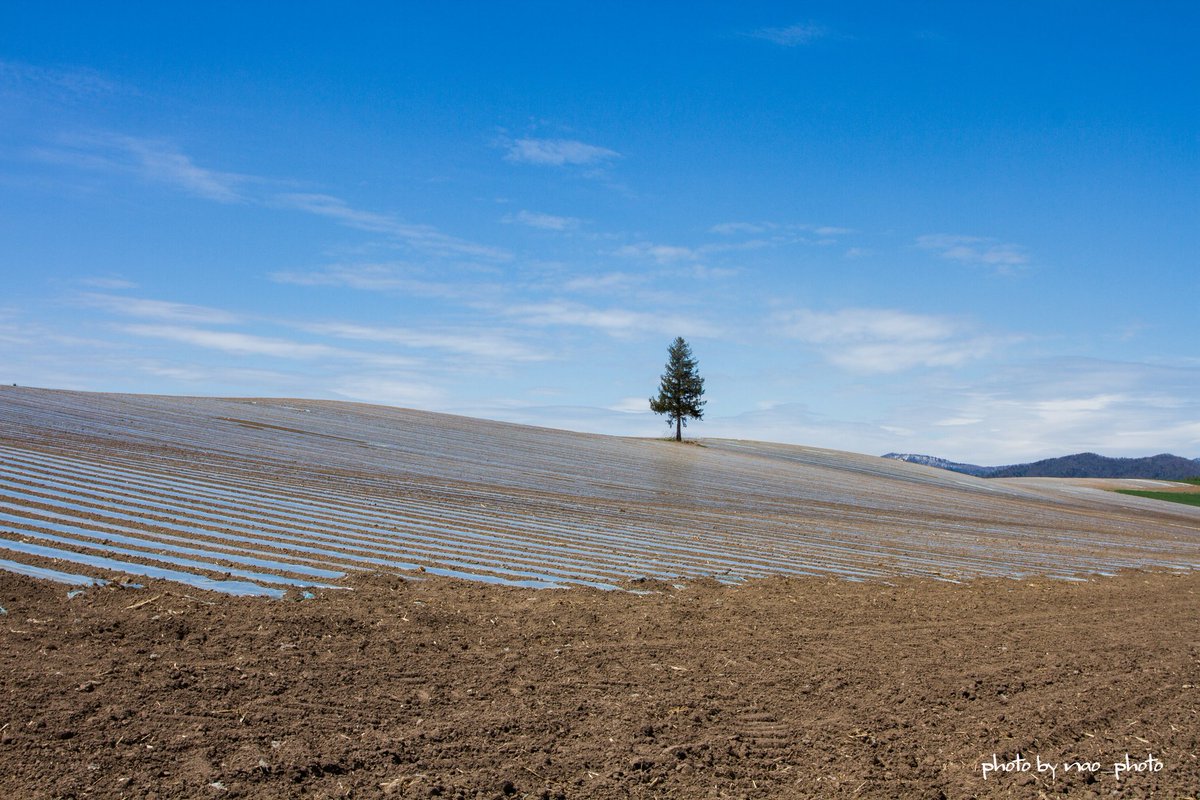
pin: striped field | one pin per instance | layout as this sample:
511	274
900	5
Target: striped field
263	496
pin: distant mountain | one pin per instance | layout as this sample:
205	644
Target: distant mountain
1081	465
1163	466
941	463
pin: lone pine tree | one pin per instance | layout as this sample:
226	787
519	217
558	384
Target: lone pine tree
680	389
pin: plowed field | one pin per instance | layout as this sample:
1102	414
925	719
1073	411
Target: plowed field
271	598
797	687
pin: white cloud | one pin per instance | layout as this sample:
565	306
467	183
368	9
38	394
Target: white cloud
208	377
1064	411
40	340
1021	412
367	277
703	273
865	324
108	283
70	82
158	309
975	250
796	423
662	253
1002	427
546	222
616	322
242	344
422	237
382	277
605	282
631	405
161	162
404	391
151	159
956	421
781	233
492	345
899	356
558	152
792	35
15	331
247	344
733	228
873	340
1028	411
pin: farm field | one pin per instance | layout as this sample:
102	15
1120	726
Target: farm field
1188	498
262	496
341	600
792	688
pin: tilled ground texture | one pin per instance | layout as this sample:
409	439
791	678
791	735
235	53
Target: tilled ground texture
259	496
440	688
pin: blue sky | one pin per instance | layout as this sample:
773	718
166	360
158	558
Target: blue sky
966	229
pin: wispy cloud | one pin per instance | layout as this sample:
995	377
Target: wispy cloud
620	323
163	163
792	35
150	159
975	250
14	330
421	237
17	76
39	340
631	405
673	254
108	283
382	277
157	309
662	253
396	390
783	232
1064	405
1061	412
208	376
242	344
864	324
603	282
546	222
700	272
797	423
870	340
733	228
247	344
558	152
490	344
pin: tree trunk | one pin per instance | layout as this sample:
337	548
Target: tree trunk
679	429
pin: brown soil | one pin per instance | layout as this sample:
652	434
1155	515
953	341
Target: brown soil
779	688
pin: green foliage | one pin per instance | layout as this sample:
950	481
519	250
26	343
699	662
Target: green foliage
680	389
1187	498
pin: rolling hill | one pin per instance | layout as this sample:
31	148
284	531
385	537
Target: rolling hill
1164	467
257	496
